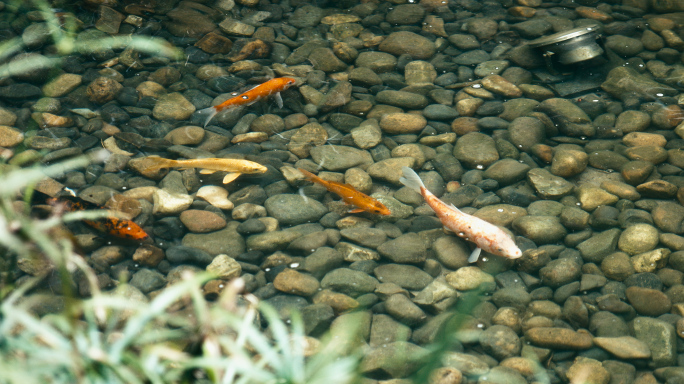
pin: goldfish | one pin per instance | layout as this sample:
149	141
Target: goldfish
118	227
485	235
234	167
350	195
266	89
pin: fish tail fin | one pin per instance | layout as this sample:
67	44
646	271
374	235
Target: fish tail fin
207	114
411	179
309	175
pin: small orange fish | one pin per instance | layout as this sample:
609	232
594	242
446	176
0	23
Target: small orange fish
123	228
266	89
350	195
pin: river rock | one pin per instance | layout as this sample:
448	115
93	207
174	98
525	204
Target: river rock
224	267
540	229
625	347
476	150
339	158
638	238
570	119
294	209
296	283
626	83
467	278
173	106
147	280
548	185
404	42
202	221
660	337
500	341
349	282
559	338
226	241
405	276
406	249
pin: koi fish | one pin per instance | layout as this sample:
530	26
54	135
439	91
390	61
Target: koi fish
350	195
266	89
234	167
118	227
485	235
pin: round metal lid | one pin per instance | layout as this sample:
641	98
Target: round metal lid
562	36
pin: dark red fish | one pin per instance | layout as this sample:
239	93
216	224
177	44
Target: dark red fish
118	227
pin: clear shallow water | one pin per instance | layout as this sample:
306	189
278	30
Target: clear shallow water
570	162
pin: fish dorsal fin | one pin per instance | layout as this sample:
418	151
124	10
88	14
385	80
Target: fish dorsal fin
207	171
231	177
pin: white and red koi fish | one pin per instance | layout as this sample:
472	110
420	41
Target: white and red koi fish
485	235
255	94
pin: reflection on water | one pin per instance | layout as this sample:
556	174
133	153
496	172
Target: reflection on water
575	150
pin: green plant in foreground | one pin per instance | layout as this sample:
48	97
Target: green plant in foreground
63	35
120	337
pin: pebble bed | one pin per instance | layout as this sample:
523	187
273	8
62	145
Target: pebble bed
592	187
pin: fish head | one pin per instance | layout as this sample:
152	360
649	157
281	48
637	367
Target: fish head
379	209
285	82
509	249
253	167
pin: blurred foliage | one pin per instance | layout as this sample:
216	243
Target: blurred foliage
121	337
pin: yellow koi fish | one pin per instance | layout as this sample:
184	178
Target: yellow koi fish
234	167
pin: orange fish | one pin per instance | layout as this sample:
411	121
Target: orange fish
266	89
350	195
123	228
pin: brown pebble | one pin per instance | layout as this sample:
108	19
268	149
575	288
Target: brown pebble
198	221
657	189
296	283
543	152
103	89
647	301
594	14
148	255
446	375
559	338
213	288
463	125
214	43
338	301
452	186
522	11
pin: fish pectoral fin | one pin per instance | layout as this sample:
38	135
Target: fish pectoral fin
231	177
207	171
454	207
473	256
447	230
279	100
356	210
